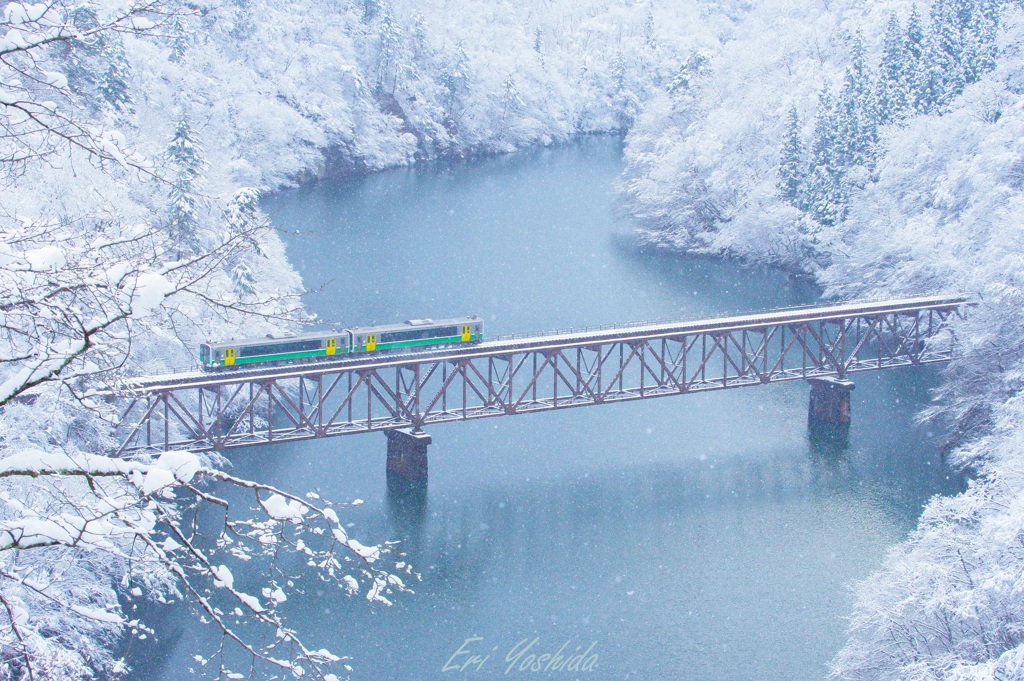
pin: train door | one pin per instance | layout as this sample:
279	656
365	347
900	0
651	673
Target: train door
229	356
467	332
371	342
332	346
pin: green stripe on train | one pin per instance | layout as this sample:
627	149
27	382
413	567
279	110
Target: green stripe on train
425	341
281	356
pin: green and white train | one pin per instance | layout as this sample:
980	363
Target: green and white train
415	333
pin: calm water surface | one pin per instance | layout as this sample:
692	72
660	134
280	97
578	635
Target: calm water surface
697	537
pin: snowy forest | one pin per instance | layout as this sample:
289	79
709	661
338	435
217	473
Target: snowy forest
873	146
876	148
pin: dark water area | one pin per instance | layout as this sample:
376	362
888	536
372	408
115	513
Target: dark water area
693	537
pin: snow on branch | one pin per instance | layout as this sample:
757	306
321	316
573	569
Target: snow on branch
70	296
40	109
153	520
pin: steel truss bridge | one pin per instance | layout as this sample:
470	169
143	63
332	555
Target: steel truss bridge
521	375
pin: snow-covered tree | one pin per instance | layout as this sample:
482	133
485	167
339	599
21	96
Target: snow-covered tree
392	44
113	85
793	162
511	101
826	196
856	116
946	54
184	157
895	70
454	79
244	218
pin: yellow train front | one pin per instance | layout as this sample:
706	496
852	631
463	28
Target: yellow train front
409	335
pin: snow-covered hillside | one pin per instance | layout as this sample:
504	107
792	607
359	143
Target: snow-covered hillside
878	147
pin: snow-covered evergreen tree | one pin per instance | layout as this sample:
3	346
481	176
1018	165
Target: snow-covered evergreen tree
855	116
826	198
946	54
793	163
181	38
389	56
185	159
245	220
511	101
895	72
919	74
649	38
454	79
113	84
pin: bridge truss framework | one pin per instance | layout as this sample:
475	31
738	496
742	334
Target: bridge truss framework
242	408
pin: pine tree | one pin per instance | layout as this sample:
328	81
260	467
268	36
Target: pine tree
919	89
945	55
243	217
418	42
932	88
511	101
391	43
454	78
855	116
618	71
983	25
113	84
892	92
693	68
793	164
825	200
180	41
649	29
82	59
370	9
243	281
625	101
915	42
185	157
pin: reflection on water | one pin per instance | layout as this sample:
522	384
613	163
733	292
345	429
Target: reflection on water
695	537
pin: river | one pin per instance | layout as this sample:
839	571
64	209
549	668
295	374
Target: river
697	537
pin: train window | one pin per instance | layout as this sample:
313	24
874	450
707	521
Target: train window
419	334
279	348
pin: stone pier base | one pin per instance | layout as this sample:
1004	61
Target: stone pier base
828	415
407	474
407	454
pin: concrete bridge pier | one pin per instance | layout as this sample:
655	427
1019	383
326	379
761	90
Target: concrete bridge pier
407	454
407	471
828	415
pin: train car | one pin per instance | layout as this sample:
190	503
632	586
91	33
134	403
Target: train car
364	339
417	333
272	350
